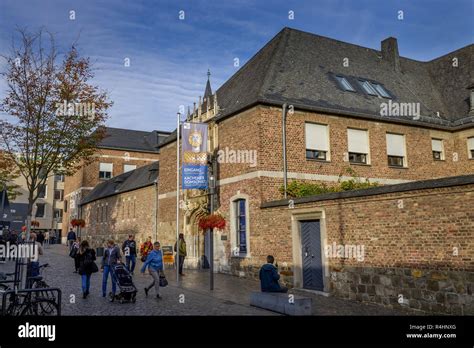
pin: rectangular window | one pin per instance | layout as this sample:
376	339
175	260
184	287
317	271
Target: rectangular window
368	87
58	215
437	148
470	145
59	194
396	150
317	141
129	167
358	145
241	225
40	210
59	177
345	84
42	191
105	170
380	90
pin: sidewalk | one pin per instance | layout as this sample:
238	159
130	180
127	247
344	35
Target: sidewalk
231	295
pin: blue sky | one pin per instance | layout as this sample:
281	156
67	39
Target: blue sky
169	57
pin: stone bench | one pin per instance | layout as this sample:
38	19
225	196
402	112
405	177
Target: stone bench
278	302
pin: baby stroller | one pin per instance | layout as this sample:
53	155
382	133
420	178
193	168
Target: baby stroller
127	290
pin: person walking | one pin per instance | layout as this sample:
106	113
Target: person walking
71	237
46	238
145	249
40	238
87	266
111	257
269	277
34	264
154	263
180	250
74	253
129	249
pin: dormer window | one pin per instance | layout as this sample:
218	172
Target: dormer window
345	84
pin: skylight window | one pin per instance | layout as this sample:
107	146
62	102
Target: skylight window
380	90
345	84
368	87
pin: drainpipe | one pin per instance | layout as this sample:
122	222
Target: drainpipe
283	126
156	208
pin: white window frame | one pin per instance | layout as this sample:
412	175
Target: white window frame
367	150
106	171
470	146
233	227
328	140
129	165
442	148
405	157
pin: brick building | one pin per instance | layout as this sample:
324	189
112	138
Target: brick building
121	150
392	119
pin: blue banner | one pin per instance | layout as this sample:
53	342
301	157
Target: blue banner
194	158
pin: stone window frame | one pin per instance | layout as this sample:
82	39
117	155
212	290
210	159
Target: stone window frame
233	227
469	153
303	214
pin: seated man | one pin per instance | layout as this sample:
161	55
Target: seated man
269	277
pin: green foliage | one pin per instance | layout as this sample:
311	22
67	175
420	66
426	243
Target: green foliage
297	189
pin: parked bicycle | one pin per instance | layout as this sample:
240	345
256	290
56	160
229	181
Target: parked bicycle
37	299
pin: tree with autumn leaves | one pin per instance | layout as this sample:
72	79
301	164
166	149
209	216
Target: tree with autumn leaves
43	133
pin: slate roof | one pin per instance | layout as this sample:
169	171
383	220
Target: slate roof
129	181
128	139
298	68
409	186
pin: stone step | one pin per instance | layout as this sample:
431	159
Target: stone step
288	304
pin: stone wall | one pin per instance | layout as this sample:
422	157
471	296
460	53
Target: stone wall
418	244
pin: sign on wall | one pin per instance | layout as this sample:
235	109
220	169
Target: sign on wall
194	159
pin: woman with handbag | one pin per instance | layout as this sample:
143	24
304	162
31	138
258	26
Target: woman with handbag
154	263
87	266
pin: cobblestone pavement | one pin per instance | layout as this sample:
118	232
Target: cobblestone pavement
229	297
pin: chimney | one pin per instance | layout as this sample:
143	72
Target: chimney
390	52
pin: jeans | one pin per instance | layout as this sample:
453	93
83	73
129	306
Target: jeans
181	263
105	277
86	282
131	258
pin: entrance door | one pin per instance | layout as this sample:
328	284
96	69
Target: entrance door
311	255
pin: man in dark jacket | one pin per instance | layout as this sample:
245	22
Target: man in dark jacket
269	277
129	248
71	238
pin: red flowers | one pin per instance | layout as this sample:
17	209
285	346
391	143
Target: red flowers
78	223
212	221
35	223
